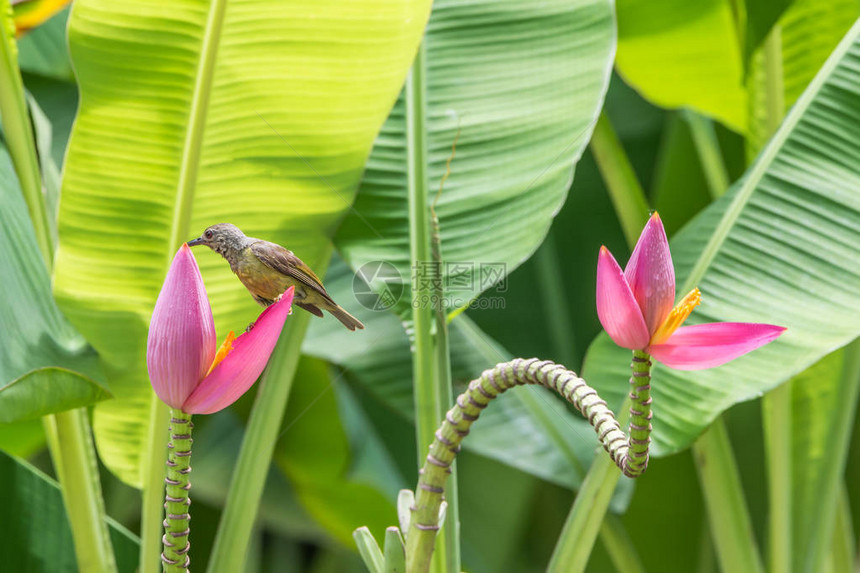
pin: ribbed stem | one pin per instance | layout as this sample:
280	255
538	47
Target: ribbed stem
176	501
629	454
640	415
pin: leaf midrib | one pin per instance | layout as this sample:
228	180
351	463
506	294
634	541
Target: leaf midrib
190	162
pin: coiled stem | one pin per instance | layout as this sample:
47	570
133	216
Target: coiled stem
629	453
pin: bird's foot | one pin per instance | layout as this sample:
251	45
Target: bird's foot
250	327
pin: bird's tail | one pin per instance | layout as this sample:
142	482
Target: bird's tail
347	319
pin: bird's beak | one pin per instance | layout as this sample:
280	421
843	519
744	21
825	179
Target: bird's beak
195	242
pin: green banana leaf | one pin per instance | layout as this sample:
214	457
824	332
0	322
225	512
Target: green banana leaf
522	84
256	112
678	53
779	247
46	391
38	334
34	531
691	54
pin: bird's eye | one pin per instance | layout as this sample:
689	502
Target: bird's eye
208	234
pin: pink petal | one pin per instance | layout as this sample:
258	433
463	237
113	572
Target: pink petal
617	309
708	345
244	364
181	343
651	275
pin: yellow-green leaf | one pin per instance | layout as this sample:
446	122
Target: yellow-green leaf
256	112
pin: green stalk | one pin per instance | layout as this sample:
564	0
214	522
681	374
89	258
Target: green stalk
626	194
706	562
68	433
842	421
556	312
450	536
620	547
176	499
18	133
584	521
708	150
431	398
774	89
777	416
842	553
151	510
79	478
261	435
727	511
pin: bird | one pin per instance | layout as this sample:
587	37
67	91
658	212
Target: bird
268	269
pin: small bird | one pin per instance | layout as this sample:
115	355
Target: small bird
267	270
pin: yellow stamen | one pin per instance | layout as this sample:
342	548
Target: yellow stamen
223	351
677	317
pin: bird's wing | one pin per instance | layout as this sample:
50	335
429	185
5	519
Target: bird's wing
285	262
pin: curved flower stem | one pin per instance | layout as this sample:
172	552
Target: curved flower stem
629	454
176	500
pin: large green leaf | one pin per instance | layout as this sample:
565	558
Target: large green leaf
523	83
690	54
679	53
779	247
256	112
42	337
34	531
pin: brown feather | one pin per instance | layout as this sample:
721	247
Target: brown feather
310	308
285	262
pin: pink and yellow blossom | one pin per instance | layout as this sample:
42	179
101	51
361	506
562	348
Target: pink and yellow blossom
635	307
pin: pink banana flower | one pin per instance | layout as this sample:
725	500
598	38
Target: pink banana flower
635	308
186	371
